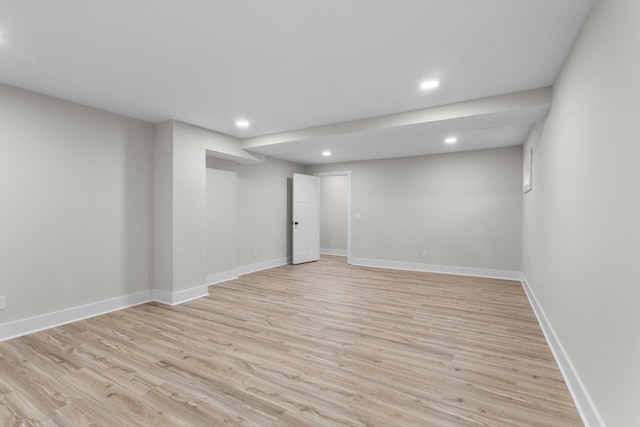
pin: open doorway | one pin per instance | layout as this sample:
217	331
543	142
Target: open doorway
335	213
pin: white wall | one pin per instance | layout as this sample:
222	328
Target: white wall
76	186
189	205
222	193
163	207
264	210
464	208
581	221
334	192
249	210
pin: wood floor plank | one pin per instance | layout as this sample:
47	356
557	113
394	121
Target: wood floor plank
318	344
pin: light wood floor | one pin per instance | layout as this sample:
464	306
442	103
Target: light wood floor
321	344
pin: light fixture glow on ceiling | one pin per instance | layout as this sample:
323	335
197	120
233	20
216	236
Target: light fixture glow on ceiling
242	123
429	84
451	140
326	153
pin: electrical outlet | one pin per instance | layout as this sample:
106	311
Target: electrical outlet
255	252
425	253
3	303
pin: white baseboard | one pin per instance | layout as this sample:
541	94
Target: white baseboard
443	269
180	297
584	404
581	398
264	265
212	279
338	252
590	415
74	314
50	320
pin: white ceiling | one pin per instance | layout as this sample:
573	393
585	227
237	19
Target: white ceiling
294	64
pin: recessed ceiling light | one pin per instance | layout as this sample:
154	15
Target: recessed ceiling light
429	84
451	140
326	153
242	123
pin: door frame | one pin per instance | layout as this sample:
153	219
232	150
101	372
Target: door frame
346	173
310	219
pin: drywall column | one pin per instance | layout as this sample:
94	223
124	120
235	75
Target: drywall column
189	217
163	207
180	230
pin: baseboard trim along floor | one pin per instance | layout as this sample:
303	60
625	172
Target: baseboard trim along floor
584	404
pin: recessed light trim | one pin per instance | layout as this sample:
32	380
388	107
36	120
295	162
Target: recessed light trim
326	153
429	84
242	123
451	140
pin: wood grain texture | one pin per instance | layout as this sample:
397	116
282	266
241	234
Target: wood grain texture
319	344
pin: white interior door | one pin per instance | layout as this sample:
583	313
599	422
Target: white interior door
306	218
